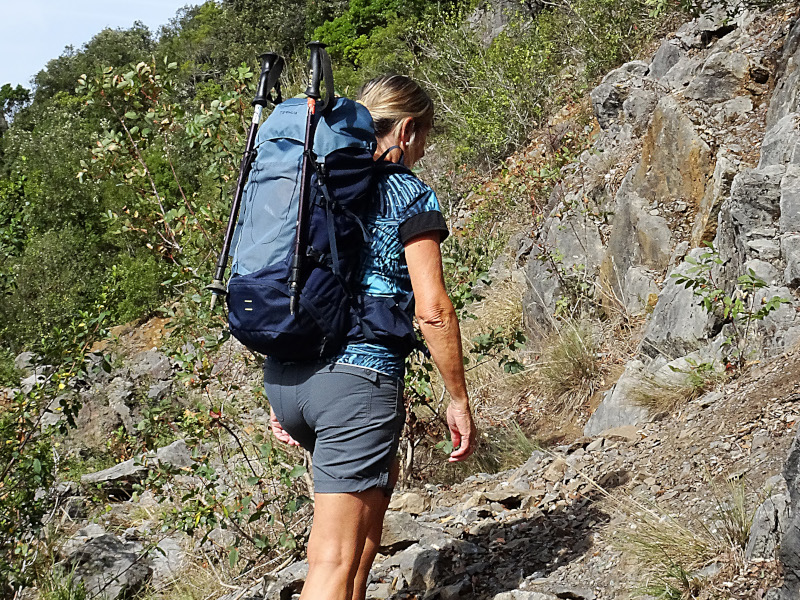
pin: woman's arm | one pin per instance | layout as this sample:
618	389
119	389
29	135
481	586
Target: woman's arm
439	325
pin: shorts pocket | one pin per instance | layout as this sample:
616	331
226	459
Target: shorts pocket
348	391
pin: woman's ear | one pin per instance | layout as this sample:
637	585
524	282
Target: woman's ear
406	133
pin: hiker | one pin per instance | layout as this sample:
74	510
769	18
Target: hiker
349	410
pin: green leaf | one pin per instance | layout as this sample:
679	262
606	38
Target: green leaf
130	115
297	471
37	466
233	557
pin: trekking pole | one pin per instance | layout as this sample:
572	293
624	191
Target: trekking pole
271	67
318	59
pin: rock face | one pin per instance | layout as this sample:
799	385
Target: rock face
714	158
110	568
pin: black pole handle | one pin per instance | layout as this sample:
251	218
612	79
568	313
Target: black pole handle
315	68
271	68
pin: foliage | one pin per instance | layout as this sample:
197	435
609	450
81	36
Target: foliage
737	309
28	456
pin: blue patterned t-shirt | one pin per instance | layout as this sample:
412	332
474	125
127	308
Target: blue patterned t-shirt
405	207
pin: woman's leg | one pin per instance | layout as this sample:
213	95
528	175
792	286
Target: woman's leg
373	540
336	548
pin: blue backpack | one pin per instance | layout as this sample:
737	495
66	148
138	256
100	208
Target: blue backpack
330	312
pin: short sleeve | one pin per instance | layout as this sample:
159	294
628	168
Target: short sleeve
421	213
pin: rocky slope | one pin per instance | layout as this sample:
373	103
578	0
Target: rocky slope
701	143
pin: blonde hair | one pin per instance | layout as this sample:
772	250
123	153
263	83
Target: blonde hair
391	99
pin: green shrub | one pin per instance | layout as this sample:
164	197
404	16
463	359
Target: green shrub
134	285
56	276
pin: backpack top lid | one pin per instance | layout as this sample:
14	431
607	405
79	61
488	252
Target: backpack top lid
347	124
265	231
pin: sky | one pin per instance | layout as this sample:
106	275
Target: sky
32	32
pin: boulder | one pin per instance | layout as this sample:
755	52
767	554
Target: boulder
790	542
723	74
769	524
422	567
786	97
151	364
609	96
666	57
619	406
109	568
679	324
781	143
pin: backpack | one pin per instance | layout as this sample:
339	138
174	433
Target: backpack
329	314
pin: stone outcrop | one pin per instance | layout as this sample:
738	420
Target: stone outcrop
710	127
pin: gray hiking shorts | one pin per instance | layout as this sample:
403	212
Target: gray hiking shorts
349	418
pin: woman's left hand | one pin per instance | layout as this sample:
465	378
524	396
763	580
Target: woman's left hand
279	432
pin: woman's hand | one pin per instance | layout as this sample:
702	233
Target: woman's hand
279	432
462	431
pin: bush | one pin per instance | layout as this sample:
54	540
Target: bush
56	276
134	286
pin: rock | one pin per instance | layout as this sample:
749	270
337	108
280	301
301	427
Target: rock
456	591
125	474
627	433
109	568
523	595
609	96
421	567
639	288
150	364
790	250
769	524
286	582
722	75
555	472
638	108
786	97
676	160
401	530
159	390
666	57
705	224
789	553
168	560
789	220
679	324
619	406
26	362
733	109
411	503
781	143
80	537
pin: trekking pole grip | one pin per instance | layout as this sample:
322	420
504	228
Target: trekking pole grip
315	66
271	67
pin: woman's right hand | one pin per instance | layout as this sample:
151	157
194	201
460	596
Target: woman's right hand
279	432
462	432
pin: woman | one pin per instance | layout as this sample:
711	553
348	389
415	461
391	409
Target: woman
349	412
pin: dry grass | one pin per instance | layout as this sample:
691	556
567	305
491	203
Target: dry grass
571	368
488	384
661	397
672	549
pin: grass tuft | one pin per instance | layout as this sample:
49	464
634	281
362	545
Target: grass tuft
571	370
